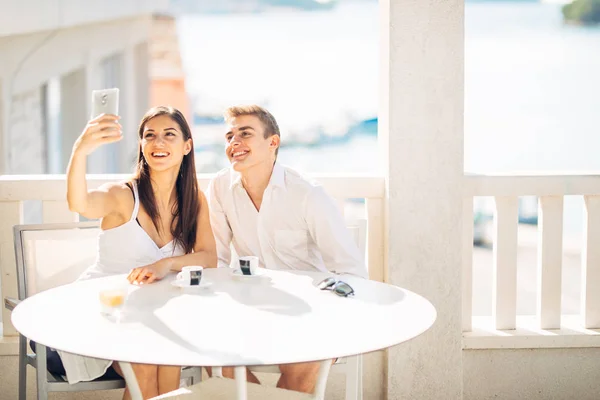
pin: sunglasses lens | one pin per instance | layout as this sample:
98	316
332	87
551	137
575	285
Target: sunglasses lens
326	283
343	289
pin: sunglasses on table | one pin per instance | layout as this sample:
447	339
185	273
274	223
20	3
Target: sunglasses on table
338	287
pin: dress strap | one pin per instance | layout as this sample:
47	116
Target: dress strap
136	198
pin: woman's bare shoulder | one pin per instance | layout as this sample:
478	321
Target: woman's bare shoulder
122	195
117	189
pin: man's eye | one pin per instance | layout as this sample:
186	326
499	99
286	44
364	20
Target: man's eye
228	138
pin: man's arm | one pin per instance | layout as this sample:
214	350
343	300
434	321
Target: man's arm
328	229
220	226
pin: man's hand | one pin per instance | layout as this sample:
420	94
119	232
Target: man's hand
149	273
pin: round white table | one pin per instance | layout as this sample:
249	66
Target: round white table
275	319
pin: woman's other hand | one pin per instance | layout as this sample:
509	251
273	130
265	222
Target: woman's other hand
149	273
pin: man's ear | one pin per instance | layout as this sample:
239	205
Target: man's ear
275	141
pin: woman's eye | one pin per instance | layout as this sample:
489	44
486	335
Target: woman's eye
148	135
170	134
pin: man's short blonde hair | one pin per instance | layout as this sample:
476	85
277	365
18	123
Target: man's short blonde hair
265	117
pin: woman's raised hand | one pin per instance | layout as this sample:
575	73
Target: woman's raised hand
103	129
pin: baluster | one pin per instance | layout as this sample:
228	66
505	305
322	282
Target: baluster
505	262
590	258
549	276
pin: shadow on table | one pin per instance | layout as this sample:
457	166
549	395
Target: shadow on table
262	295
142	304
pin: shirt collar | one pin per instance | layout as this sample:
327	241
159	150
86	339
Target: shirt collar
277	177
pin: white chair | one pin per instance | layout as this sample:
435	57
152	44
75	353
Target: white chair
352	367
49	255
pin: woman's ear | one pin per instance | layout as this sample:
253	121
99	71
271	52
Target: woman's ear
188	147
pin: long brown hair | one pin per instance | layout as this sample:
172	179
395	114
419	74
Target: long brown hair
186	209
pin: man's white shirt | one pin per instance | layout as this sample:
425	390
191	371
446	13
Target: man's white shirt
298	227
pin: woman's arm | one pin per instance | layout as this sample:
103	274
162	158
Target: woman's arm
94	203
205	252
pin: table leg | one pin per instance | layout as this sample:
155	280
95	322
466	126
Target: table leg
322	379
240	383
131	381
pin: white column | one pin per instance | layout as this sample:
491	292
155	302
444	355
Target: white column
128	111
421	134
142	77
74	111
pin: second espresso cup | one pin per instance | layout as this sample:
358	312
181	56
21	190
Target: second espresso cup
249	265
191	275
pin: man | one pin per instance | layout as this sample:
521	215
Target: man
272	212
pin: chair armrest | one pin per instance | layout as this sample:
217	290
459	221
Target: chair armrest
10	303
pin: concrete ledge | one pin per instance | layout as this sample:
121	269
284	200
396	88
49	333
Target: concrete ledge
529	336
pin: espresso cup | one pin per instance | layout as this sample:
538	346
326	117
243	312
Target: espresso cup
191	275
249	265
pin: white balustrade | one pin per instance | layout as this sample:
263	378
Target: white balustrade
506	329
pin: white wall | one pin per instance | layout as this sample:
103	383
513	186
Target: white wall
551	374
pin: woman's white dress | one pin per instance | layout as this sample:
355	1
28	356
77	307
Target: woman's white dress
119	251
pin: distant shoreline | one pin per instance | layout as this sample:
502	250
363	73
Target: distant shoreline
582	12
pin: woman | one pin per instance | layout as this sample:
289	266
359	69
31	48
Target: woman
155	222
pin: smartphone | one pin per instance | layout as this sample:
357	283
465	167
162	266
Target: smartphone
105	101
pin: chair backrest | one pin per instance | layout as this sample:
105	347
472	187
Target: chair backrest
50	255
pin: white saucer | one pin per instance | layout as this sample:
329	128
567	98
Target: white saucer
260	273
181	284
